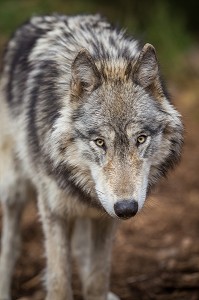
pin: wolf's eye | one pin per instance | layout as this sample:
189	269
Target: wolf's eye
100	143
141	139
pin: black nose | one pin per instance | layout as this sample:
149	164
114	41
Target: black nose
126	209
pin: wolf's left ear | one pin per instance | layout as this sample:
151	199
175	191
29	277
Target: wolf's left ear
145	70
85	75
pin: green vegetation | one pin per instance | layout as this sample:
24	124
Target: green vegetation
168	25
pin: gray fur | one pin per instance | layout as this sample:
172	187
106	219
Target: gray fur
67	83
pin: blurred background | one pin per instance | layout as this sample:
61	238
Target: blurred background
156	255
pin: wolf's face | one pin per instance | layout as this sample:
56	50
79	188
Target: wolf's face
126	132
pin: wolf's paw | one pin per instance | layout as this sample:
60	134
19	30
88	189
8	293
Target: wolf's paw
112	296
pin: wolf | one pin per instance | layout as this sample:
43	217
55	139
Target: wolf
86	121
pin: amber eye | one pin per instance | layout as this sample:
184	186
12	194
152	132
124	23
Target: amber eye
100	143
141	139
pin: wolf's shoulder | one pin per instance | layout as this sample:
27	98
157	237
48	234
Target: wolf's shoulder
41	24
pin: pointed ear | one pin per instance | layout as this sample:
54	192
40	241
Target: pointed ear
85	75
146	67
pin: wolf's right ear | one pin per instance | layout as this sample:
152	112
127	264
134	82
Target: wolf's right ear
85	75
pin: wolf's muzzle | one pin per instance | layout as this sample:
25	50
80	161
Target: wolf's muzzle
126	209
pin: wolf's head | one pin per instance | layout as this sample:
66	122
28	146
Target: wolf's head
126	133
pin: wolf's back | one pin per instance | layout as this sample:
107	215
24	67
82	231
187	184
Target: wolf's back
43	49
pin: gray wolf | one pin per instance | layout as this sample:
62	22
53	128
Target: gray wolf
86	121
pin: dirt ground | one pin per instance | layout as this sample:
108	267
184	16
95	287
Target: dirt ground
156	254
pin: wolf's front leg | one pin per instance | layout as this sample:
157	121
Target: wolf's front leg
95	258
57	236
10	247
